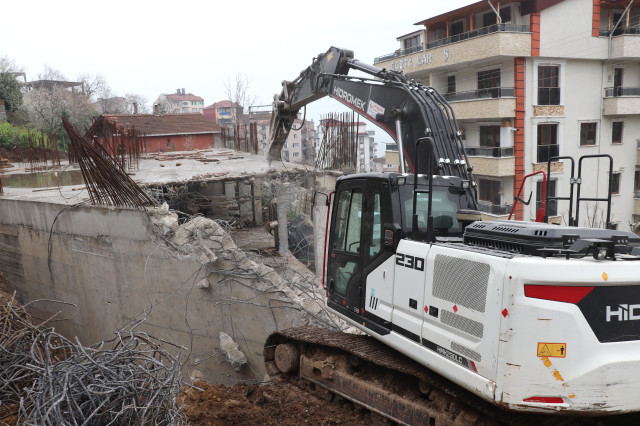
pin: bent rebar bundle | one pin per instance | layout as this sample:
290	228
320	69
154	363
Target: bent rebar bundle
107	182
46	379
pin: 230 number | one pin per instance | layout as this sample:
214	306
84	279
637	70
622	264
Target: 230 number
409	261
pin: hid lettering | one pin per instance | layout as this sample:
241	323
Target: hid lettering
623	312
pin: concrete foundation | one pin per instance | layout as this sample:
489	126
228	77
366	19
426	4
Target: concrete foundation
98	269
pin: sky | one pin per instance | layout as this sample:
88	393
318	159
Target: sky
155	47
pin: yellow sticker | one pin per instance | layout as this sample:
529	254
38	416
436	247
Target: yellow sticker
605	276
558	350
329	56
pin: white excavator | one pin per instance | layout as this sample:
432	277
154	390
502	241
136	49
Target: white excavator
503	317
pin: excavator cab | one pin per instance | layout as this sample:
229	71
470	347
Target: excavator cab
370	214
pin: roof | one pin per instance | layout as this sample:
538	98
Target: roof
527	7
224	104
168	124
188	97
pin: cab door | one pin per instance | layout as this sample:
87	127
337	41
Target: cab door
356	243
344	262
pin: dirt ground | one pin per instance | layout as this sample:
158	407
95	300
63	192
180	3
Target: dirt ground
272	404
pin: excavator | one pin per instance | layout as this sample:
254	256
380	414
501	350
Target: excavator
464	321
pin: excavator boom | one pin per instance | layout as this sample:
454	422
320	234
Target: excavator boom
402	107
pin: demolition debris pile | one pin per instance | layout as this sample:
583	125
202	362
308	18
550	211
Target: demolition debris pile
46	379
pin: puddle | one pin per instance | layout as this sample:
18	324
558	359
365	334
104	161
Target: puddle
42	180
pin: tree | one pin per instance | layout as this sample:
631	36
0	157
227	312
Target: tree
238	91
45	106
94	84
142	103
10	87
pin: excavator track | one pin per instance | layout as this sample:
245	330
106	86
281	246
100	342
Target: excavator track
372	375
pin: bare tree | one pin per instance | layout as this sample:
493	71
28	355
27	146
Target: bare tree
138	100
237	91
45	106
50	73
94	84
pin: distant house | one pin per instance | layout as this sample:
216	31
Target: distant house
225	113
180	103
171	132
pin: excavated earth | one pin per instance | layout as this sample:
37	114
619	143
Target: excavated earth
271	404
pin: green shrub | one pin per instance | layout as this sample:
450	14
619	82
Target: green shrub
12	137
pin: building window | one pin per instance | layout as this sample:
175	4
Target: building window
547	142
588	133
295	136
194	109
552	205
548	85
636	185
296	154
490	136
456	28
615	183
451	84
616	131
505	14
411	42
489	191
489	79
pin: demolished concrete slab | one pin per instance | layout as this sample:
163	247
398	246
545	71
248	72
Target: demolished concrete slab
189	279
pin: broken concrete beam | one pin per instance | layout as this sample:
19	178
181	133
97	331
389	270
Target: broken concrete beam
230	349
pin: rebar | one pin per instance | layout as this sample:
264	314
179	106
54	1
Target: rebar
107	182
46	379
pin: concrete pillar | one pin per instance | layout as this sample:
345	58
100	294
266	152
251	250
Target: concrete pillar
283	210
244	200
229	190
256	192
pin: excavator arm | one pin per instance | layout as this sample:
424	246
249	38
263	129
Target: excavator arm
402	107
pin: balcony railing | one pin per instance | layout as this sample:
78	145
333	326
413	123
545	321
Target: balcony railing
493	208
614	92
511	28
636	193
620	31
547	151
494	92
497	152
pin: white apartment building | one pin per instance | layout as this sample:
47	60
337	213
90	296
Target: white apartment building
530	80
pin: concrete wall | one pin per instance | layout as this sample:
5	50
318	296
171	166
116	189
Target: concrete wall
113	266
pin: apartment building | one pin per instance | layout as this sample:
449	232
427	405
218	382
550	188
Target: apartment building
225	113
180	103
533	80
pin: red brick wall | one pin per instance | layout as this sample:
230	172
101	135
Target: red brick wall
518	138
179	142
535	33
595	26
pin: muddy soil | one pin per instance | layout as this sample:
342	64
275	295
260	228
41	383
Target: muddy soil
273	404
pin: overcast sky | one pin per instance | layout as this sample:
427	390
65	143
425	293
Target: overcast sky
154	47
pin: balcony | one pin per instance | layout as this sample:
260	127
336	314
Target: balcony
621	101
491	103
495	152
494	40
495	162
625	42
494	209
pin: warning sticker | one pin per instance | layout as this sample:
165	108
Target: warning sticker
558	350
